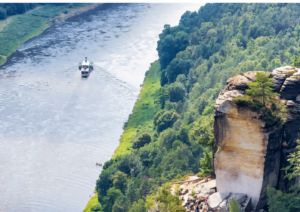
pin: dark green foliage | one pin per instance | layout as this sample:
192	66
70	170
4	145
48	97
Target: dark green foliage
278	201
162	97
176	144
197	57
96	208
205	163
129	164
109	199
297	61
138	206
171	42
105	182
293	169
2	13
183	136
164	119
121	204
176	67
176	92
202	105
120	181
16	8
167	138
262	89
144	139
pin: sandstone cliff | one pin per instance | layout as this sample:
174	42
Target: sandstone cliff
251	152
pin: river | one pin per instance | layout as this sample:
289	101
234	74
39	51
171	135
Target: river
54	125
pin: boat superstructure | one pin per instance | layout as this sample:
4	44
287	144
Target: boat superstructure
85	67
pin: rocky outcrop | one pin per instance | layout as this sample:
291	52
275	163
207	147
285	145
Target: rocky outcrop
251	152
196	187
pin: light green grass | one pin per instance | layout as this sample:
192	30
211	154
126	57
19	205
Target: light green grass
141	119
2	60
92	203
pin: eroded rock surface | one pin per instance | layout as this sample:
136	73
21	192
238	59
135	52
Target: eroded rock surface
250	152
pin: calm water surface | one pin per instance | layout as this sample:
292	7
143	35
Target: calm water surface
54	125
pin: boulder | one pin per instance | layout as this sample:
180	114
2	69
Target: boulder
215	200
203	190
251	153
220	201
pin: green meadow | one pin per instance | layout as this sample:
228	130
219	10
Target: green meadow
141	119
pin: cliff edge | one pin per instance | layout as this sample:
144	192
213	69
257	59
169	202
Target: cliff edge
252	152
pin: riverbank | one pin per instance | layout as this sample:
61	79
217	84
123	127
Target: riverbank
17	29
140	120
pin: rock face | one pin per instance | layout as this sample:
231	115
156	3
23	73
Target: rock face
250	152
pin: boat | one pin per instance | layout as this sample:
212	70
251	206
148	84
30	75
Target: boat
98	164
85	67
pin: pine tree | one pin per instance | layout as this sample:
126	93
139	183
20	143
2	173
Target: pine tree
262	89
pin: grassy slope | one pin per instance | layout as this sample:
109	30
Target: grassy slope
141	119
21	28
93	201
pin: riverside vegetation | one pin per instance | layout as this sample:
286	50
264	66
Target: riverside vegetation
22	21
174	110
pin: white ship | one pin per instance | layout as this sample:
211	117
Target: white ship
85	67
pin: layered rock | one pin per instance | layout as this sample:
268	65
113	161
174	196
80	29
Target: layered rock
250	152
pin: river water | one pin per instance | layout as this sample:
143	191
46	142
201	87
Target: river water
54	125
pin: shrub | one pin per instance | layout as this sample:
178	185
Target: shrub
164	119
205	162
279	201
138	206
120	181
261	96
290	73
144	139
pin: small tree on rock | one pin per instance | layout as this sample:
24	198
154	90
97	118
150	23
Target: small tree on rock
262	89
234	206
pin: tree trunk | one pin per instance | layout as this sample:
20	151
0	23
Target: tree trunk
212	161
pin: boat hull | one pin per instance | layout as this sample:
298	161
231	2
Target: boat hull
85	73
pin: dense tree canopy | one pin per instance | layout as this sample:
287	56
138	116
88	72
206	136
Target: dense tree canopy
197	57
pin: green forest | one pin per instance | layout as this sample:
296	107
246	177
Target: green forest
177	99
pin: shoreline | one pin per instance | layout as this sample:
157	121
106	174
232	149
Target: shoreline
139	120
45	24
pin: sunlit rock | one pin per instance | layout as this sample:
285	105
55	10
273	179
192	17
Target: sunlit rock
250	152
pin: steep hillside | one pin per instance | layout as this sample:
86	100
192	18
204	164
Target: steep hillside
196	59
